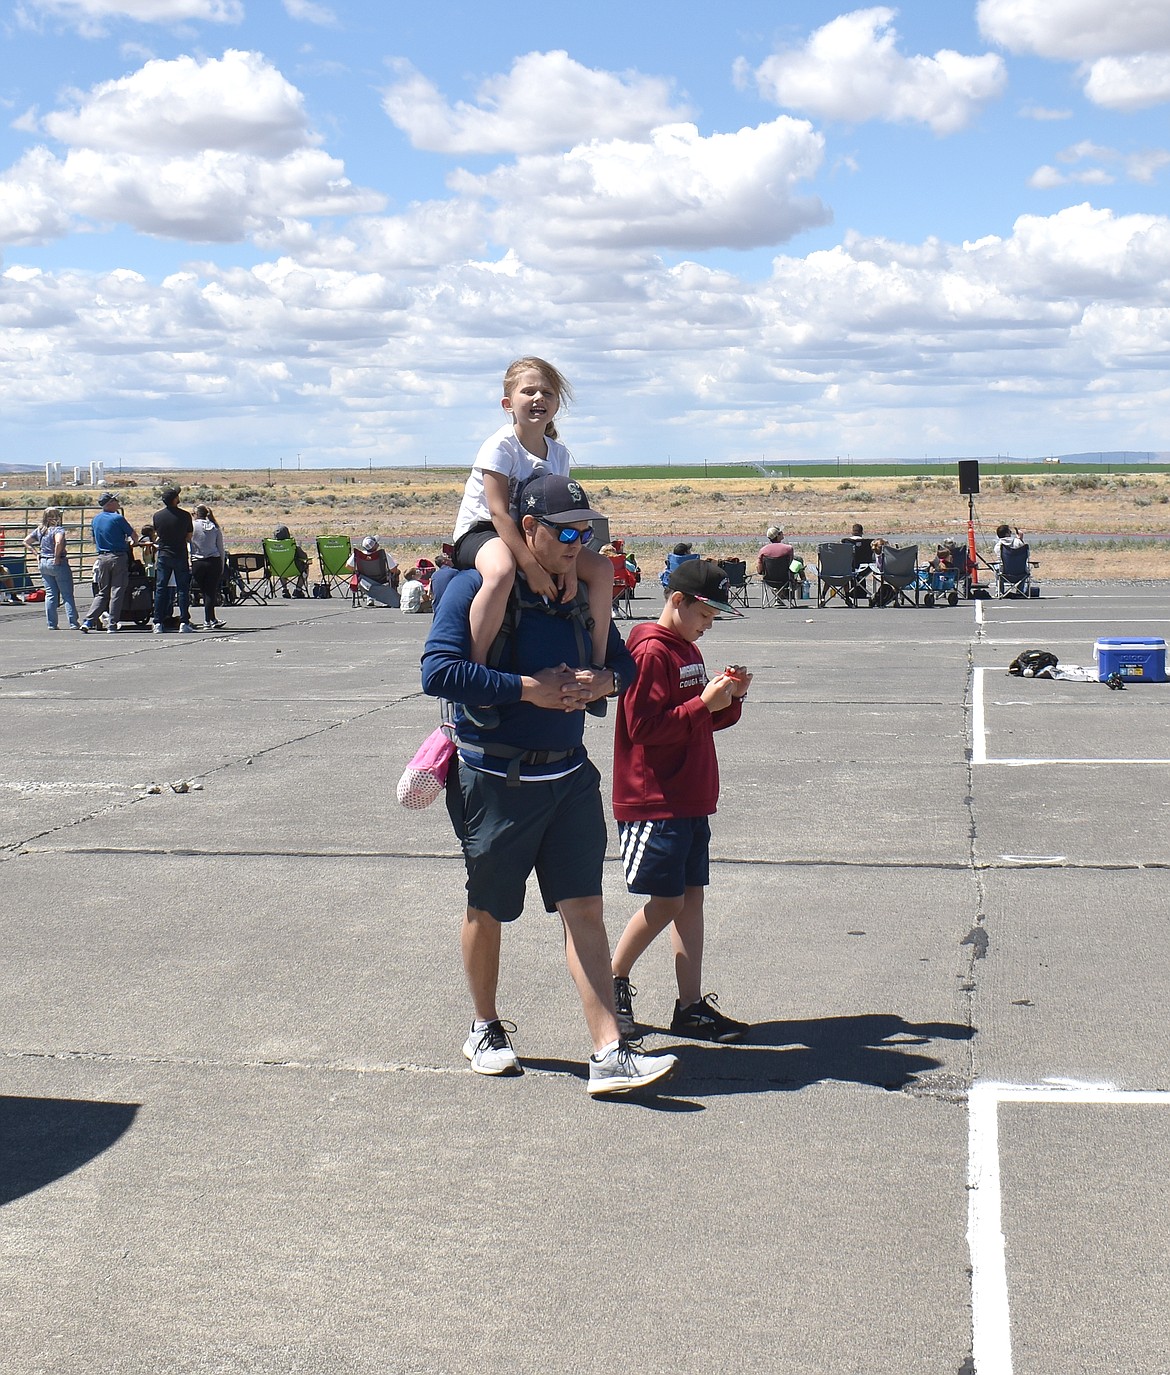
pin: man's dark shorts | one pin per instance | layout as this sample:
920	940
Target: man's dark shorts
556	827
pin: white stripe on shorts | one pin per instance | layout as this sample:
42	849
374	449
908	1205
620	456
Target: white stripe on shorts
635	836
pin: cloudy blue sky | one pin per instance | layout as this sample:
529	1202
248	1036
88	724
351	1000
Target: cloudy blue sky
235	231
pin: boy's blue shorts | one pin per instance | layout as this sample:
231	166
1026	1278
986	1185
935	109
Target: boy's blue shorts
664	858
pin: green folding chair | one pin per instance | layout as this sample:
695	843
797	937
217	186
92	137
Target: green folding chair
280	565
333	553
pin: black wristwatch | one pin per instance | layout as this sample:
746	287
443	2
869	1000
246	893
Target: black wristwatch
617	679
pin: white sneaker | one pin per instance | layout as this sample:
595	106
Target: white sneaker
112	630
490	1051
623	1068
186	628
156	628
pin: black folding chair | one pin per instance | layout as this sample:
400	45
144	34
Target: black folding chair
1014	575
897	578
737	581
837	576
244	576
777	585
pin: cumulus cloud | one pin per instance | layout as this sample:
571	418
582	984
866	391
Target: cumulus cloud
90	16
1076	30
851	70
676	189
546	101
1130	83
867	344
1123	47
239	103
213	151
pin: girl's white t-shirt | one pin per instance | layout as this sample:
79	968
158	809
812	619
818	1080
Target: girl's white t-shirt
503	453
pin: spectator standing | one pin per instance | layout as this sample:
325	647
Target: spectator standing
173	527
207	563
523	794
48	541
113	538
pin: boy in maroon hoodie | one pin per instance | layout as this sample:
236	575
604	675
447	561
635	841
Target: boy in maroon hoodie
666	785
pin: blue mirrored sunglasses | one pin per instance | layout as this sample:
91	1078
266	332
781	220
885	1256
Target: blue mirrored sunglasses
568	534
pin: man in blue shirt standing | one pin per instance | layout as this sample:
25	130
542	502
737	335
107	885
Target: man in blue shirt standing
113	538
522	792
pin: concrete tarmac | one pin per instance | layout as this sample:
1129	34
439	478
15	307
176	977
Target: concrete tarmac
237	1134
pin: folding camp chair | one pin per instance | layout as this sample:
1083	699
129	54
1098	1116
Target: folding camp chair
244	577
777	585
737	582
333	555
897	577
672	562
623	588
280	565
947	575
1013	577
837	576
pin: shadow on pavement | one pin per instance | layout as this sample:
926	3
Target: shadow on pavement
44	1139
878	1049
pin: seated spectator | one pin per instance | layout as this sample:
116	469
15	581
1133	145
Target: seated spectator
413	592
681	553
8	595
775	548
376	573
148	548
301	586
631	561
1006	537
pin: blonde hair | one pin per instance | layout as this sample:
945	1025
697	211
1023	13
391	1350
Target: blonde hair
51	517
552	378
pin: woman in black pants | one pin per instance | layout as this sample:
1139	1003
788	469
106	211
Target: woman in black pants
207	563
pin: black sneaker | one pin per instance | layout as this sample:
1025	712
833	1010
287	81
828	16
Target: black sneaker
703	1021
623	1002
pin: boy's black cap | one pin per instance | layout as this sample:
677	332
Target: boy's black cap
559	499
706	582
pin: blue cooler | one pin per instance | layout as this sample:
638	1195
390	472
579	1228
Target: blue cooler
1137	659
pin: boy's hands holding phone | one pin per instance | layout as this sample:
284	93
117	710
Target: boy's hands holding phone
733	682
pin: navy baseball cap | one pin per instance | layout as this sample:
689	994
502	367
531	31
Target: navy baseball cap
559	499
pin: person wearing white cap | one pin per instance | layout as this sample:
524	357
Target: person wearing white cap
376	572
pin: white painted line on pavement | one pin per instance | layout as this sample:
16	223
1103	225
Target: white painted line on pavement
979	733
978	720
991	1338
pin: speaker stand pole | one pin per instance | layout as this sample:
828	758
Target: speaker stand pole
972	557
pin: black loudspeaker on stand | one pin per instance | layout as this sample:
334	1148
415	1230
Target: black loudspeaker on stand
968	477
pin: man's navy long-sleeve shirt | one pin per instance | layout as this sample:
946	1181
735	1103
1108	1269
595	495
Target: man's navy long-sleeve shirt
539	641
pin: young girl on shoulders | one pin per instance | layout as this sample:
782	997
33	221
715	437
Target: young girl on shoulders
487	534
